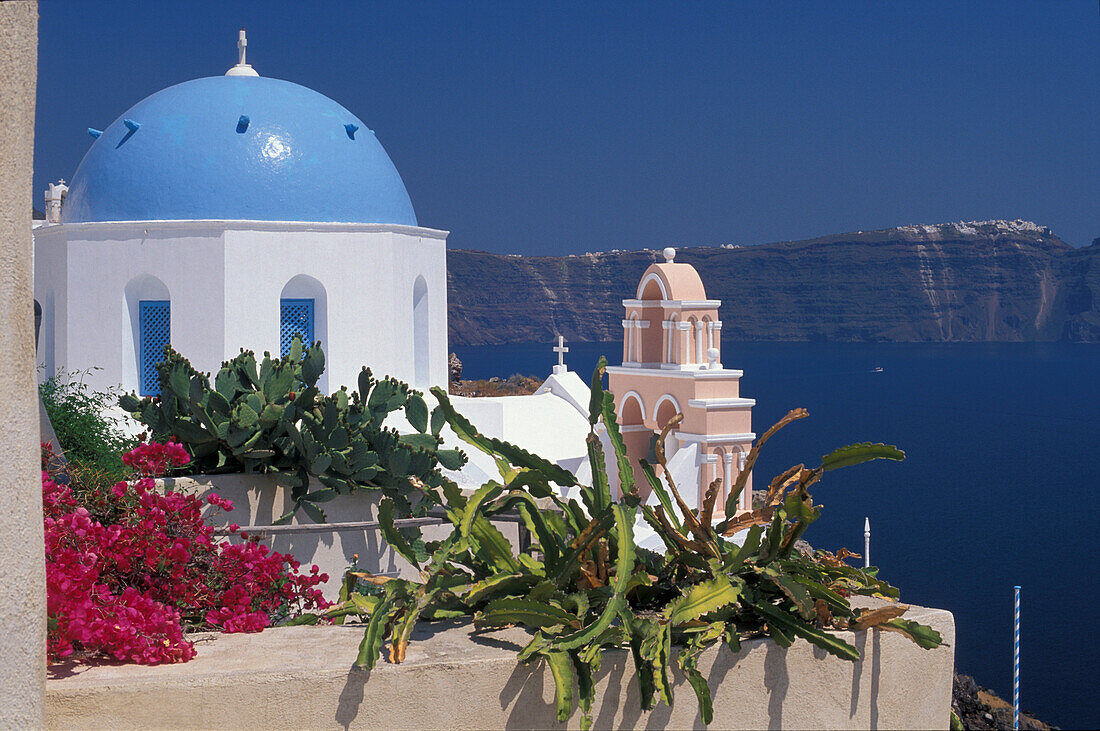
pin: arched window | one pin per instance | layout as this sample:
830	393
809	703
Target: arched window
37	323
673	338
723	469
632	335
667	407
421	343
296	318
303	310
145	333
738	464
155	318
43	333
689	357
649	339
631	410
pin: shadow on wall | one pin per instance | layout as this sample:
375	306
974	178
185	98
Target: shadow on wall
351	697
529	693
752	688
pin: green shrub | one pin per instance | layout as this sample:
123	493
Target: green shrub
93	441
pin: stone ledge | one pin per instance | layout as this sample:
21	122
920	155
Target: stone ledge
302	677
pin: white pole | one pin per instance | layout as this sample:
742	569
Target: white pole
1016	666
866	542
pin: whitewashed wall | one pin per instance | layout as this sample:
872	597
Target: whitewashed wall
368	279
88	268
225	280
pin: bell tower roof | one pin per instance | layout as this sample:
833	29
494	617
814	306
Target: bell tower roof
671	281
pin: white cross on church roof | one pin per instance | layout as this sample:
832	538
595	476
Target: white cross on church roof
561	350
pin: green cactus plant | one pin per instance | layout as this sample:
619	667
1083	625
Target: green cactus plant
271	417
584	585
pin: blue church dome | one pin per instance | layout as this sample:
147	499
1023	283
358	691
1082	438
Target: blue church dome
238	148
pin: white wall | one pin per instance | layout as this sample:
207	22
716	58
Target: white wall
50	275
225	280
545	424
368	276
91	312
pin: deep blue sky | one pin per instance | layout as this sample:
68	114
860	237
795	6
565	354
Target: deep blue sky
558	128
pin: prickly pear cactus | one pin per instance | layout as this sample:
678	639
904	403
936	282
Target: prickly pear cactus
271	417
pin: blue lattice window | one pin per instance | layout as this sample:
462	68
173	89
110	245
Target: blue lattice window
156	332
296	318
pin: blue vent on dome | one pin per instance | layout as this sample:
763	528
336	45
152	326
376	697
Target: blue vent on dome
296	318
156	332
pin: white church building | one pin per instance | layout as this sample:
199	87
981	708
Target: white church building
236	211
232	212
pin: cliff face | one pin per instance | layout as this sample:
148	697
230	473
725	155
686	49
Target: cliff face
996	280
1079	274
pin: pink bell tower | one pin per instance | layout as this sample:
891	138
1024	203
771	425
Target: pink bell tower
672	364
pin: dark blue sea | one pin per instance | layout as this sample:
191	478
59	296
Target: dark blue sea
999	487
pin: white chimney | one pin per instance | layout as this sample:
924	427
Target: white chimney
55	196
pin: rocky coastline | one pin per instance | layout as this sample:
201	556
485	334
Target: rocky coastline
979	708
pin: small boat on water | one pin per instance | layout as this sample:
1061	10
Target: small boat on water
876	369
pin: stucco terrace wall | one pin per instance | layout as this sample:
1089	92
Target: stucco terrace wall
259	501
302	677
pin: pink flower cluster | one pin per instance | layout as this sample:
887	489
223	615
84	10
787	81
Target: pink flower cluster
153	459
224	503
128	568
